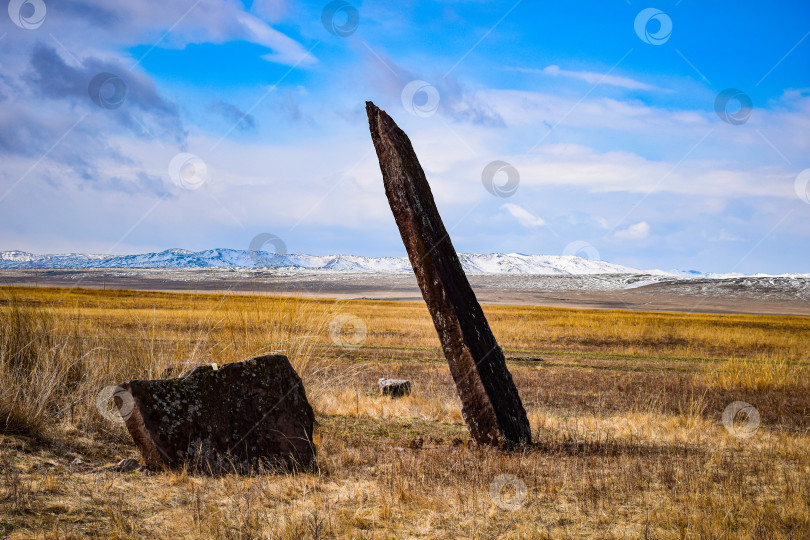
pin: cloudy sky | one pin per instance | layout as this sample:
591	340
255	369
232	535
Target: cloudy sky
664	136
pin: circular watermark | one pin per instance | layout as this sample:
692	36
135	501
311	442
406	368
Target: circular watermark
506	189
508	492
27	14
802	185
340	18
733	106
653	26
741	419
264	257
580	248
188	171
107	406
348	331
420	98
107	90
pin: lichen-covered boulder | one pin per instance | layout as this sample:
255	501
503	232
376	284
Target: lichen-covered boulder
237	418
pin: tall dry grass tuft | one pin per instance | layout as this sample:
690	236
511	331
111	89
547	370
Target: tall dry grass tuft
40	366
55	361
770	373
285	325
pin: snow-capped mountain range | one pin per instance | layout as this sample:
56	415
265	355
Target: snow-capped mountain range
473	263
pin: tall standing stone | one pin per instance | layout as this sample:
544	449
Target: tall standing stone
490	401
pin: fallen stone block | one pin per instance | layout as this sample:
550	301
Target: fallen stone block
490	401
394	387
238	418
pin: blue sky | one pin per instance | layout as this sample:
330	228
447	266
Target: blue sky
610	125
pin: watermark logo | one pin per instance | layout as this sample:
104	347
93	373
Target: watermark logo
188	171
348	331
107	406
724	106
580	248
262	256
741	419
508	188
653	26
27	14
802	185
420	98
107	90
508	492
340	18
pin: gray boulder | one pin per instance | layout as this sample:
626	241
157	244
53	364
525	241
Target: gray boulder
394	387
238	418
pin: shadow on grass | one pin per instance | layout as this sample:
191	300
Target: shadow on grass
611	448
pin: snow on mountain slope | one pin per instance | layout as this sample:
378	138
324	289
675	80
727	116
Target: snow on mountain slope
514	263
473	263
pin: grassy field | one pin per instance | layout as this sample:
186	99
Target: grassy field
625	409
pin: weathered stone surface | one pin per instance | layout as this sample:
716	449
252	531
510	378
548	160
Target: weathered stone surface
490	402
394	387
234	418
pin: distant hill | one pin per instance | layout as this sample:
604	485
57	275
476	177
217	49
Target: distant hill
473	263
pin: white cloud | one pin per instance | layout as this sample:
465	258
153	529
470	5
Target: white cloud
638	231
724	236
285	49
592	77
99	27
573	165
270	10
526	218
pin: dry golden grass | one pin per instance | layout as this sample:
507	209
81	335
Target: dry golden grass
625	409
759	374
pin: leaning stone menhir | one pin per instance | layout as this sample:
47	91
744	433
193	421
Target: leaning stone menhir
490	402
236	418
